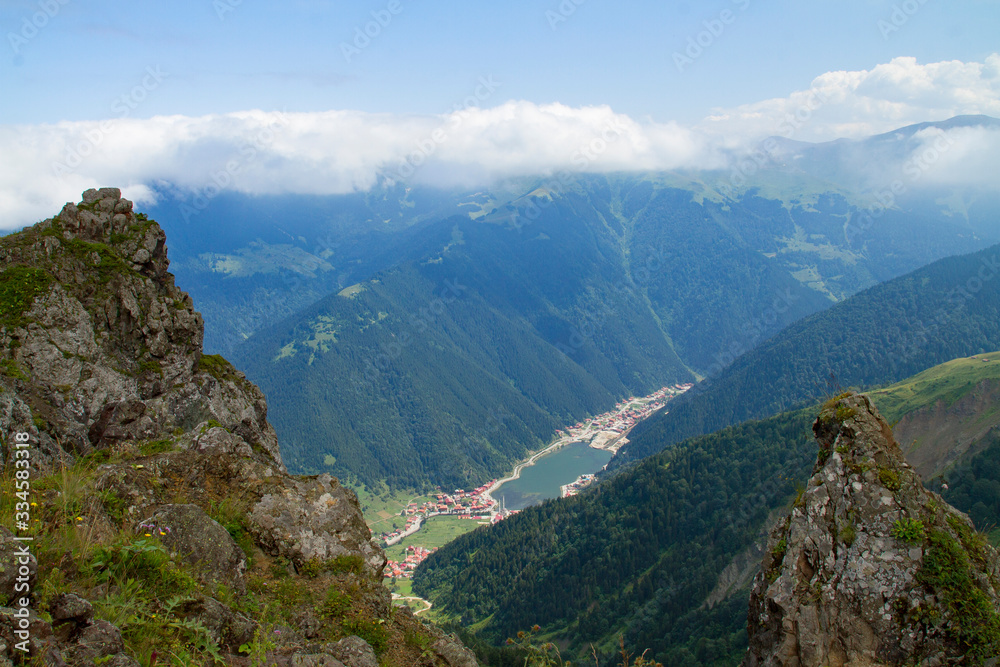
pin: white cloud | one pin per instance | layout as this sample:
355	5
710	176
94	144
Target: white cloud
324	153
959	156
340	151
857	104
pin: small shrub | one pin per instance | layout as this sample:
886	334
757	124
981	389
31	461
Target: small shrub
153	447
290	591
93	459
150	366
217	366
833	401
972	540
335	605
237	530
19	287
144	560
279	568
258	648
909	530
778	552
210	424
372	631
889	479
312	568
114	504
343	564
844	412
9	368
974	623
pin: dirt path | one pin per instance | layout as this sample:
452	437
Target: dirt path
427	603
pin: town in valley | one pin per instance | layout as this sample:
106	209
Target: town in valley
604	431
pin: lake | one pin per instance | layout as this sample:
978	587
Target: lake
542	480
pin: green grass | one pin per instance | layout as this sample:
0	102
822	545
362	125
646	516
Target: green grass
436	532
947	568
948	383
381	507
217	366
109	265
19	286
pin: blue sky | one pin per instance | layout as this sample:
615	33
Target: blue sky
286	97
228	55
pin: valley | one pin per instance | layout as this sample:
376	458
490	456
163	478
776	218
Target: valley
413	528
500	334
439	348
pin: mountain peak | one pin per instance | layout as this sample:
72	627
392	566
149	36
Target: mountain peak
104	343
870	568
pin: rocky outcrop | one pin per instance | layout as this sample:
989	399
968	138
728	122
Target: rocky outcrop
870	568
161	461
307	521
101	347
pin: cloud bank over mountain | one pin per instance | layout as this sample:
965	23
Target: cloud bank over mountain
340	151
858	104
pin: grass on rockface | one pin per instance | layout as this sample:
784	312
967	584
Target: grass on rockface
947	568
108	265
84	546
19	287
218	367
947	382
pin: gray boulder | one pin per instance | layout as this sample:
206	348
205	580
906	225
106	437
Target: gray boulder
316	518
354	651
201	541
454	653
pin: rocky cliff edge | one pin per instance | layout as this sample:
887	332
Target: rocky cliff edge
870	568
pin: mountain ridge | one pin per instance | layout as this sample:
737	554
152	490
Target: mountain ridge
932	315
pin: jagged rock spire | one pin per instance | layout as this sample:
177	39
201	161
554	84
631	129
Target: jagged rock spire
870	568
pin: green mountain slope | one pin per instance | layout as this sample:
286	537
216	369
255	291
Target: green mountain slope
663	552
498	327
946	310
640	554
948	383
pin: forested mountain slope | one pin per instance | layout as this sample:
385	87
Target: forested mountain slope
948	309
639	555
664	551
554	296
551	306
